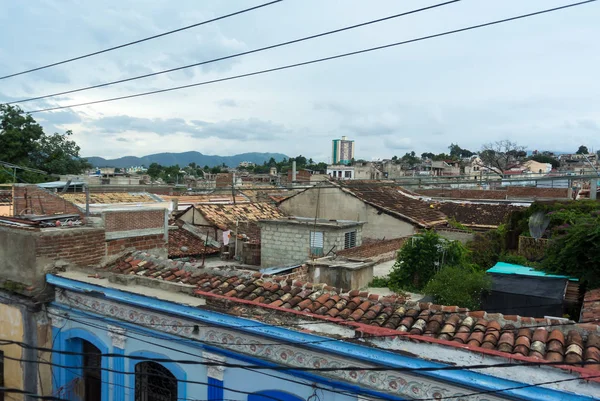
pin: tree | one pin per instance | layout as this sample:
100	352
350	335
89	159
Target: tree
155	170
456	152
421	257
58	155
23	142
541	158
410	159
500	154
583	150
458	285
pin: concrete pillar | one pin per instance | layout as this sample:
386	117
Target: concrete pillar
294	171
593	188
117	382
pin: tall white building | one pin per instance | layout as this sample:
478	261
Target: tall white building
342	151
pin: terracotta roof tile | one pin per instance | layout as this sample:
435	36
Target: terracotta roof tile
109	197
569	343
183	243
225	216
396	201
477	214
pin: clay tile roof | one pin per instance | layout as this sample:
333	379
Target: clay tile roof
225	216
109	197
395	201
477	214
183	243
518	338
370	249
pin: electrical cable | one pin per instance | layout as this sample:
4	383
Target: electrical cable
141	40
5	390
314	61
238	54
244	392
335	369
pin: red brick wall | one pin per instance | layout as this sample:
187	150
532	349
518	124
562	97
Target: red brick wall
145	243
41	201
532	192
224	180
301	176
84	247
134	220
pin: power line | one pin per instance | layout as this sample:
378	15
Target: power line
300	369
239	54
319	60
142	40
5	390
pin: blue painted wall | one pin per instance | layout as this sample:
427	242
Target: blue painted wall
121	387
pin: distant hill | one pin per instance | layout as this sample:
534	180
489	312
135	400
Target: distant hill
185	158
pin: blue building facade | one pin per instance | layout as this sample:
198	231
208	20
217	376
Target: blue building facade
114	345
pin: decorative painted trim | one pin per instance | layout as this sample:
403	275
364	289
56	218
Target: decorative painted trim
117	335
58	322
398	384
474	381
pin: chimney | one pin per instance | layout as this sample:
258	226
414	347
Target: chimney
175	204
294	171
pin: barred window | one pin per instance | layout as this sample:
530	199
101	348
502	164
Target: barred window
154	382
350	239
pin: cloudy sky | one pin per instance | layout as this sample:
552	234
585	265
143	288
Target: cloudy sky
533	81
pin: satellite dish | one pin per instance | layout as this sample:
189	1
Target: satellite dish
538	223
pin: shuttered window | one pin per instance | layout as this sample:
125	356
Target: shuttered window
350	239
316	243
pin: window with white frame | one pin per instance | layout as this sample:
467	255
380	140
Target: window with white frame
316	243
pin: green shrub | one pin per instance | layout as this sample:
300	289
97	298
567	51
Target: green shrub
575	251
514	259
380	282
462	286
421	257
485	248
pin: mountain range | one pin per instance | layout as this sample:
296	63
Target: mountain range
185	158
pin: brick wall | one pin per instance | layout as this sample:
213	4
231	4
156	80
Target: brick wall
31	199
81	246
128	220
148	242
224	180
534	192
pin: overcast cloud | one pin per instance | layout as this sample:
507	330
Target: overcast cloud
532	81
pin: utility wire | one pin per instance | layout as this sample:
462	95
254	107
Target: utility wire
8	390
319	60
239	54
142	40
296	368
286	368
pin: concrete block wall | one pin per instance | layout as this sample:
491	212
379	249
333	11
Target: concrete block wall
288	244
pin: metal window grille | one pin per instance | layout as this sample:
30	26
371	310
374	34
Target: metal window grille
350	239
154	382
316	243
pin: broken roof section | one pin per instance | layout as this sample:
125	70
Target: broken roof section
226	216
395	201
477	215
110	197
185	243
514	337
